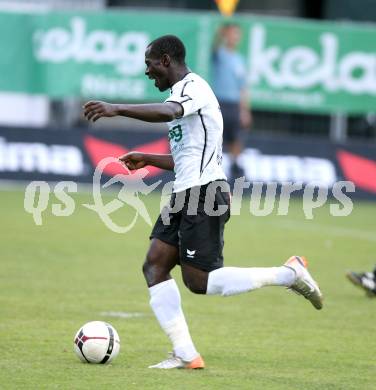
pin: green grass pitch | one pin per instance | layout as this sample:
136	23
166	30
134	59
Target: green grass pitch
56	277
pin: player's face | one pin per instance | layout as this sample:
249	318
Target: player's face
233	36
156	70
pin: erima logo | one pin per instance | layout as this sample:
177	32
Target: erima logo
39	157
191	254
264	167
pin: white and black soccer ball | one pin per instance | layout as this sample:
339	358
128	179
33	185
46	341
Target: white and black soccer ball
97	342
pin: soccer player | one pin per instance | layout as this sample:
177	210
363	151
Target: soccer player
192	235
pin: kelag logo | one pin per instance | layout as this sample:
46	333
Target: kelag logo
124	51
314	67
302	67
175	134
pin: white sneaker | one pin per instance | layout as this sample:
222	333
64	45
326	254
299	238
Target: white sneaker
176	362
304	283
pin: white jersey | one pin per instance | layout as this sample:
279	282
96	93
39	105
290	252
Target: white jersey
196	137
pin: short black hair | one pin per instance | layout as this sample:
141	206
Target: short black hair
168	44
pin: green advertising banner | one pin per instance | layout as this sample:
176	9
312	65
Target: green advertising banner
292	65
88	55
313	67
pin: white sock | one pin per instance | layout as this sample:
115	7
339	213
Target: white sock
166	303
231	280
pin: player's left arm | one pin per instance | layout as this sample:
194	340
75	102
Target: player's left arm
136	160
154	112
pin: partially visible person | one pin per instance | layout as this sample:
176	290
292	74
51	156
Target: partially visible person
229	81
365	280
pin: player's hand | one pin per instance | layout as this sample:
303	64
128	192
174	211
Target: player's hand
94	110
133	160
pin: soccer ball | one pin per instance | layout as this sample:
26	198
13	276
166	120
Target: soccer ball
97	342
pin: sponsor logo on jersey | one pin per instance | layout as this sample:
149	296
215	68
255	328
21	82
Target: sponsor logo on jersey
175	133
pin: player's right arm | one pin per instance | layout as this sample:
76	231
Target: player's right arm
137	160
153	112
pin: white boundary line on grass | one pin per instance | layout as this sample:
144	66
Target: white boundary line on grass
122	314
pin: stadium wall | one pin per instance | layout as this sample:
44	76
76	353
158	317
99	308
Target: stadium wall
50	155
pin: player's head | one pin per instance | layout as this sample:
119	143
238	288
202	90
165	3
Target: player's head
231	34
162	56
